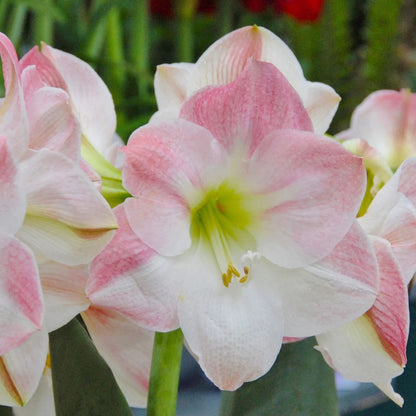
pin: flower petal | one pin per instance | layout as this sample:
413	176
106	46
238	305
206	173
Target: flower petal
168	166
372	348
90	97
392	215
223	61
13	119
13	201
21	296
307	192
171	84
126	348
328	293
21	369
53	124
384	119
67	220
130	278
235	333
42	402
64	290
242	113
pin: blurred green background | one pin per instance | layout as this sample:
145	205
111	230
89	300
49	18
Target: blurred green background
356	46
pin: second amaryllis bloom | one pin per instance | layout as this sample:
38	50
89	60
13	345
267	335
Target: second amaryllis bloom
241	228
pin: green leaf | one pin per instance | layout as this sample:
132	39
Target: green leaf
83	385
6	411
300	383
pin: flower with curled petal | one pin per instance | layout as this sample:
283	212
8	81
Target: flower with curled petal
241	228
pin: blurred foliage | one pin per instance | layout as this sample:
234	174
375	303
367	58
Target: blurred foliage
356	46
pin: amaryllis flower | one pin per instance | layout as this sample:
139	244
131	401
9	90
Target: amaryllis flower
241	229
372	348
223	61
51	211
386	119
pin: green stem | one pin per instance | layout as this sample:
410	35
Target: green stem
139	45
164	376
3	12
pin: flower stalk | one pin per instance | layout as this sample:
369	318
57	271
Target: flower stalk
164	376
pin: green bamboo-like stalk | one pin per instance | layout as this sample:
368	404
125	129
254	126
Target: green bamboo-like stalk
3	12
225	14
164	376
43	24
140	45
17	20
185	11
333	65
96	38
382	31
116	72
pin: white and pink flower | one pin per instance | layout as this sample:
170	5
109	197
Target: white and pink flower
241	228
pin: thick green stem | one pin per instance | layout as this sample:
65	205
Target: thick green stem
164	376
225	14
185	11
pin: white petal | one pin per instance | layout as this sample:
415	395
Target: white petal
21	370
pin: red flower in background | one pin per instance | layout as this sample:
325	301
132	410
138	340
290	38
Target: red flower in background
302	10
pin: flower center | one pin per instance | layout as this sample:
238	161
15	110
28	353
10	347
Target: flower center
222	219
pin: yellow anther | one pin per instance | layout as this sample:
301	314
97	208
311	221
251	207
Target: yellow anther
234	271
225	280
244	279
246	269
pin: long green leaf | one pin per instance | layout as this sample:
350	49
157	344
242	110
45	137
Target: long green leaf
83	384
299	384
6	411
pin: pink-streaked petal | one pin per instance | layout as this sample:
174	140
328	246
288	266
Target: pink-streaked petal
126	348
307	190
390	312
171	84
12	197
168	168
90	97
130	278
58	189
242	113
385	120
21	296
328	293
373	347
235	333
42	402
21	370
355	351
64	292
13	118
53	124
38	71
223	61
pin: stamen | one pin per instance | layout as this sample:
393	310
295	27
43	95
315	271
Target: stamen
234	271
246	270
244	279
225	280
